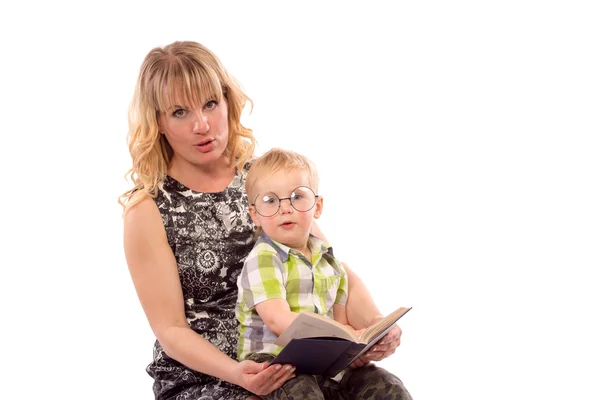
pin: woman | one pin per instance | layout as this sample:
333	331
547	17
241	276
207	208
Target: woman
187	227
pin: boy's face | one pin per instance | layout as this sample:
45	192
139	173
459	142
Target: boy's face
288	226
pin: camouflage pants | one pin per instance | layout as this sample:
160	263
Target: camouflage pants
369	382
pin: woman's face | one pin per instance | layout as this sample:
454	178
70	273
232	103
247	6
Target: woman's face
198	135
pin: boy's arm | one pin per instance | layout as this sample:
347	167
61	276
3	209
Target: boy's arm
339	307
276	314
339	314
341	297
262	289
362	311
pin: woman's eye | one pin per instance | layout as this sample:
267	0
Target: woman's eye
210	104
179	113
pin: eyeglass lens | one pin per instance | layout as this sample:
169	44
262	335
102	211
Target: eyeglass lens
302	199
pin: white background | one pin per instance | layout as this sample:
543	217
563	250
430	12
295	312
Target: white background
458	140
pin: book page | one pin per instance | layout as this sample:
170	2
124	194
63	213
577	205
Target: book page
383	324
313	325
376	332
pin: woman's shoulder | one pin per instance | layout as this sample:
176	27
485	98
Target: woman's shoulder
143	225
141	211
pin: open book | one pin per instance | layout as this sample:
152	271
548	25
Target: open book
318	345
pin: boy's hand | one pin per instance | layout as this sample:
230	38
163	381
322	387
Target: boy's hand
386	346
382	349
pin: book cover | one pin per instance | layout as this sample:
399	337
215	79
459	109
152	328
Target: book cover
317	345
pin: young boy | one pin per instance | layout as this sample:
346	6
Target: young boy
288	271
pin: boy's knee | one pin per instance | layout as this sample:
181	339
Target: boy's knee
260	357
372	382
301	387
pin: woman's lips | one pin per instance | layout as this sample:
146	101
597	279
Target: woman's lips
206	146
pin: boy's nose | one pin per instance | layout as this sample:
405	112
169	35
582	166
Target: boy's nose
285	206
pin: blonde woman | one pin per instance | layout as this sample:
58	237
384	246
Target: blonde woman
187	227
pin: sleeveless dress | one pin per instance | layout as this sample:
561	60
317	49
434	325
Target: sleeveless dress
210	235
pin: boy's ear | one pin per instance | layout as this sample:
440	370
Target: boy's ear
318	207
254	215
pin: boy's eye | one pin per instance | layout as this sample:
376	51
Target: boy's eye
268	200
297	196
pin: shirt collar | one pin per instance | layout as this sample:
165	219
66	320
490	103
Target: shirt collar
283	251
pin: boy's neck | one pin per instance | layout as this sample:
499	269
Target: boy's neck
305	250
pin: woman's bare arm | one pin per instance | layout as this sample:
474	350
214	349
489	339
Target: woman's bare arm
154	273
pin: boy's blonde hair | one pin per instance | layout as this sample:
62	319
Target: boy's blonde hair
181	73
276	160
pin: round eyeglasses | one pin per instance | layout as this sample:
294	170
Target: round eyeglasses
301	199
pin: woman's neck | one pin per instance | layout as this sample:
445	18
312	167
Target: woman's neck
214	177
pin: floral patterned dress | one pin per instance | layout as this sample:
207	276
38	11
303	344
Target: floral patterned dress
210	235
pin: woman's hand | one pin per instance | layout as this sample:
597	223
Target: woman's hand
382	349
262	378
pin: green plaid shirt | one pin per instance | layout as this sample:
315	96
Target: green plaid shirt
275	271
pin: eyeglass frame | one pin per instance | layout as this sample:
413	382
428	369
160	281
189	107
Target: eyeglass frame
279	200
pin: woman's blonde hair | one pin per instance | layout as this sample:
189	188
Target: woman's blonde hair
276	160
189	73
